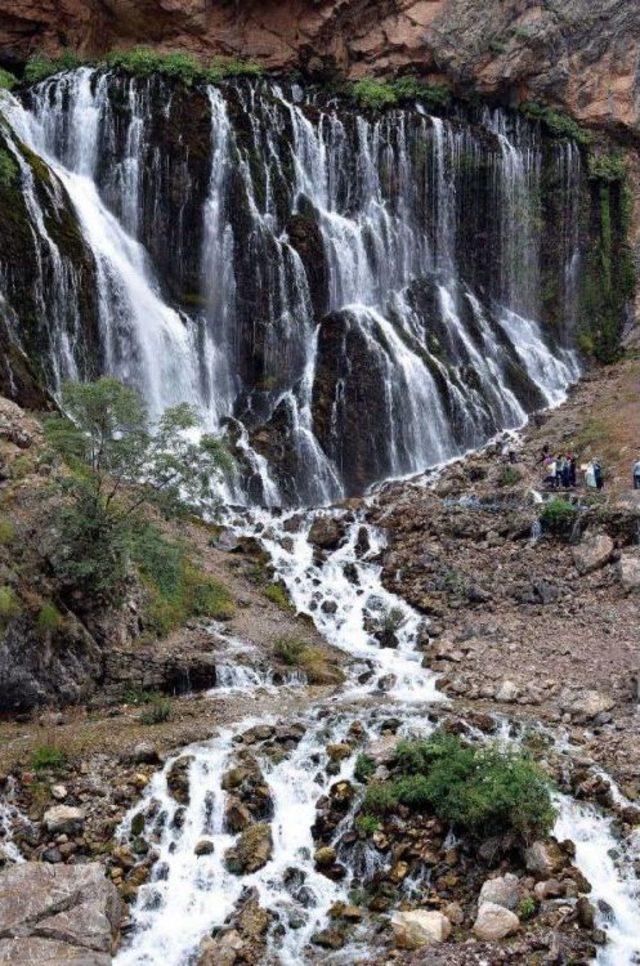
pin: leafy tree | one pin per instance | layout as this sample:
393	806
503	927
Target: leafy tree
120	461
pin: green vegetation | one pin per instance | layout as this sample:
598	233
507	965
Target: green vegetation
40	66
367	824
289	650
312	660
9	604
558	516
48	757
556	123
7	531
527	908
393	620
159	711
480	791
137	696
7	80
607	167
277	594
509	476
144	61
49	619
176	588
8	170
376	95
364	768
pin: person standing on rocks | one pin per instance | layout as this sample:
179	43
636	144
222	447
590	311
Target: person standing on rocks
636	475
590	476
572	469
597	469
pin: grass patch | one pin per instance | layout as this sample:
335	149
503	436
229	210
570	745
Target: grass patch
177	589
8	171
558	516
373	94
479	791
7	531
49	619
225	67
7	80
39	67
367	824
158	711
364	768
9	604
527	908
312	660
277	594
182	66
509	476
48	757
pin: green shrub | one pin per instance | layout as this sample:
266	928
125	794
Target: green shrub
607	167
480	791
7	80
144	61
9	604
509	476
7	531
289	650
558	516
224	67
433	95
364	768
367	824
373	94
137	696
556	123
159	711
527	908
49	619
8	170
277	594
48	757
393	620
39	67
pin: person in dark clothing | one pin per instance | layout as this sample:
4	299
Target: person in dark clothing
598	472
566	473
572	470
545	453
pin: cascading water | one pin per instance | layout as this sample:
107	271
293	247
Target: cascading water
363	294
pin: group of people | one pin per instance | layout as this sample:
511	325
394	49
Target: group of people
561	471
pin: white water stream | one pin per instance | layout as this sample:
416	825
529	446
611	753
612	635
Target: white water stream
190	895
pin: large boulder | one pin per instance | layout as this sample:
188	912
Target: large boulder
495	922
593	552
413	930
326	532
629	571
57	914
544	859
588	704
504	891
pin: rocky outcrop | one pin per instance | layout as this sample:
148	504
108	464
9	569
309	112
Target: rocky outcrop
57	914
568	53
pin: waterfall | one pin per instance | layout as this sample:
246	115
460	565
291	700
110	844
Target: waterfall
361	294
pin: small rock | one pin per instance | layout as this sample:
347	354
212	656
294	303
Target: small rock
504	891
413	930
59	792
544	859
324	856
64	818
145	753
629	571
593	552
507	691
585	913
252	850
495	922
203	847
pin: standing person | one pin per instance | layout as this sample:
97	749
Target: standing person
572	469
550	469
636	475
559	465
598	474
566	472
590	476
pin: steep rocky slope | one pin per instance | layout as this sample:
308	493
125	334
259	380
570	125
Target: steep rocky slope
576	54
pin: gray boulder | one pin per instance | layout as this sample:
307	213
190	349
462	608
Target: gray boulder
593	552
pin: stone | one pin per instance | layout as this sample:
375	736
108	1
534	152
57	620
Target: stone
544	859
178	778
504	891
57	914
419	928
64	818
252	851
382	751
324	856
339	751
507	691
204	847
589	704
237	816
326	532
145	753
585	913
629	571
454	913
59	792
495	922
549	889
593	552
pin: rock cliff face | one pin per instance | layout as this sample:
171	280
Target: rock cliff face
573	53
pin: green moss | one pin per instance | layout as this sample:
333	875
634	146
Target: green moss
509	476
364	768
8	171
224	67
289	650
7	80
558	516
367	824
9	604
7	531
144	61
277	594
607	167
410	88
373	94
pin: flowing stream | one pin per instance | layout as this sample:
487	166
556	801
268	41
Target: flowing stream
189	895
